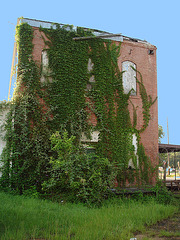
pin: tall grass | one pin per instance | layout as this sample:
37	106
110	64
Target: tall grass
25	218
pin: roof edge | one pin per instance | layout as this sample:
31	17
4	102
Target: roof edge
116	37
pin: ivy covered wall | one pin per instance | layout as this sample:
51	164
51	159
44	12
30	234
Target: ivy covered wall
67	100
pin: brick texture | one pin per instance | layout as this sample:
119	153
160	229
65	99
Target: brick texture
138	53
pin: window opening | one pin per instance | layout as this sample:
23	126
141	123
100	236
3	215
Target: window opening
129	77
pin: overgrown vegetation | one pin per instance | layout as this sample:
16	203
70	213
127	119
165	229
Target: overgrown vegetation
63	103
161	133
24	218
76	175
26	155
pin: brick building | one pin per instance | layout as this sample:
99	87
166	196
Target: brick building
134	52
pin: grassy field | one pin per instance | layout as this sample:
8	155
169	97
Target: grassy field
25	218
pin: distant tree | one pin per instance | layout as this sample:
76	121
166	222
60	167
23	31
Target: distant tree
161	134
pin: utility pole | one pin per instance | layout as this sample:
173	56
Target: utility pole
175	164
168	140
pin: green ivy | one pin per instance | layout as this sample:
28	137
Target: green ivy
75	175
64	103
27	151
65	95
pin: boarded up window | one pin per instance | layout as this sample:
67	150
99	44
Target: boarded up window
46	72
94	137
129	77
134	142
91	79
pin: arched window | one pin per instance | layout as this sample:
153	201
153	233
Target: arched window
129	77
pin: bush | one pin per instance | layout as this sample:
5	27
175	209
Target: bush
75	175
163	196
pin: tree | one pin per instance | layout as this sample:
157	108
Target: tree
161	134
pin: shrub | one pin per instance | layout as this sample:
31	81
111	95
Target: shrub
75	175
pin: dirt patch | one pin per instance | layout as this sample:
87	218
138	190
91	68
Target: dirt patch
168	229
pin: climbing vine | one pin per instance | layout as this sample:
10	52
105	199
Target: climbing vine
111	108
63	102
65	95
27	150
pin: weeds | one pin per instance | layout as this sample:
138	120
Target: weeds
27	218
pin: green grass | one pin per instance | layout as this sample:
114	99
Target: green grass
169	234
25	218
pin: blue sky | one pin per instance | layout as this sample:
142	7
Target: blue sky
157	21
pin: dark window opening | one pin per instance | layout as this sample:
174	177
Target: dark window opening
151	52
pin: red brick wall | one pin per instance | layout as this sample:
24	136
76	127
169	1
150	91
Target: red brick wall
136	52
39	44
